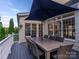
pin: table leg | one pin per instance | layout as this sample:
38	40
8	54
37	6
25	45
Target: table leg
47	55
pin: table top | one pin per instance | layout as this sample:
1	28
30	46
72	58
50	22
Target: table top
49	45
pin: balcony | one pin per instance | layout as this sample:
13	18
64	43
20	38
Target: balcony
10	50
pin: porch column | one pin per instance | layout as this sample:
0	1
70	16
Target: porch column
61	27
45	28
37	31
30	29
53	27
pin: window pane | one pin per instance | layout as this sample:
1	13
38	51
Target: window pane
27	29
40	30
33	30
69	28
57	28
50	29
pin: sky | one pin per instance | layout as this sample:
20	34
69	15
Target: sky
9	9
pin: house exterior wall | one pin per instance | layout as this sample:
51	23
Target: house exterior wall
71	2
22	30
61	1
76	46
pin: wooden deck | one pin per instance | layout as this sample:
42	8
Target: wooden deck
20	51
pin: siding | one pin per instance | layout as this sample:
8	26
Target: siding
76	46
71	2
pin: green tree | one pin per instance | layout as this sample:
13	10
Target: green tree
2	31
16	30
6	31
11	26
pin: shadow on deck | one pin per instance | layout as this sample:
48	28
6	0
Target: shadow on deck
20	51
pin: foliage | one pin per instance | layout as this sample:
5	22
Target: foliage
16	30
5	31
11	26
2	31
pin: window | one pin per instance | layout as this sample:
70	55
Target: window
57	28
27	29
34	30
69	28
50	29
40	30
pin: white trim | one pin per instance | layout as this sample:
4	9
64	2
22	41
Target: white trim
33	21
68	17
60	16
27	36
69	39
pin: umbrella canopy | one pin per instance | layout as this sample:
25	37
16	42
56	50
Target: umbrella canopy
44	9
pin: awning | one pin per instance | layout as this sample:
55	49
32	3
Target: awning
44	9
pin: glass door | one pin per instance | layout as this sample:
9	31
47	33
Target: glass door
50	29
57	28
40	30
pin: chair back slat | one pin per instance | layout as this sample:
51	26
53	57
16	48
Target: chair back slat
34	49
46	36
52	37
60	39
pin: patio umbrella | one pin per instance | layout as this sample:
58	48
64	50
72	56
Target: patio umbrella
44	9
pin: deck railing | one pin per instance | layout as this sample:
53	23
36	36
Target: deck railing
5	47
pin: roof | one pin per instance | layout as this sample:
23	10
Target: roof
44	9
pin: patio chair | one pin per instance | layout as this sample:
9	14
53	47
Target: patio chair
60	39
52	37
37	52
29	44
63	52
45	36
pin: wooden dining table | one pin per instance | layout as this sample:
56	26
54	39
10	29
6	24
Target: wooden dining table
48	46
